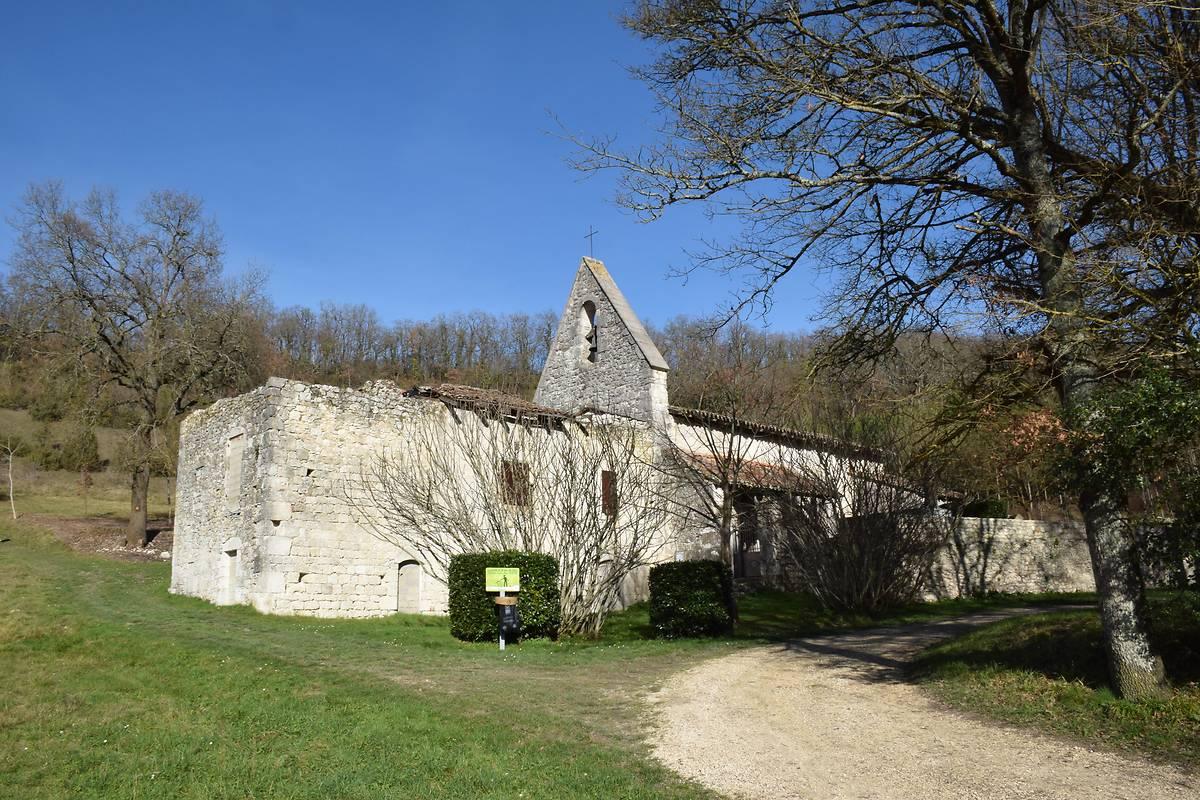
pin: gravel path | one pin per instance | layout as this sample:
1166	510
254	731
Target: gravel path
831	718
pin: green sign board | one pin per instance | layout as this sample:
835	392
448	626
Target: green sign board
502	579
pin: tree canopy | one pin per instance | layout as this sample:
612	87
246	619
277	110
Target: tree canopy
1025	169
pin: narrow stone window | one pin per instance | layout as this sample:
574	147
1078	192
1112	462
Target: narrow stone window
590	331
234	449
515	488
608	492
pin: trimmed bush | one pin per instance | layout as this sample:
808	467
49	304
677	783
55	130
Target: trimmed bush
472	610
691	598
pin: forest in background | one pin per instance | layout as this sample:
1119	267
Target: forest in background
735	369
125	322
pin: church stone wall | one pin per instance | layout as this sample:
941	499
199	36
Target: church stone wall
320	559
300	548
223	459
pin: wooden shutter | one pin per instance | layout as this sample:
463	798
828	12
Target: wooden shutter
514	483
608	492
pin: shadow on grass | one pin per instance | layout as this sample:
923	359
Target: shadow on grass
1068	646
1063	646
776	617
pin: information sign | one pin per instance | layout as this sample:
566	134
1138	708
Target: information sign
502	579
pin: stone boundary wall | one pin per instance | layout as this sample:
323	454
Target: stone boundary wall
1013	555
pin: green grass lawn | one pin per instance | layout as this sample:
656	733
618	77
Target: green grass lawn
64	493
1049	672
113	688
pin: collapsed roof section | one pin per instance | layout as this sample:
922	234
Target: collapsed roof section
488	402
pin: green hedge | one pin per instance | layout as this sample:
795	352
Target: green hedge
691	598
472	610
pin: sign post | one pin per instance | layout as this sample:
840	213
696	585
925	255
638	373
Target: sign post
502	624
504	580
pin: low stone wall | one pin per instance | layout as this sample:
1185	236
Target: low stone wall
1013	555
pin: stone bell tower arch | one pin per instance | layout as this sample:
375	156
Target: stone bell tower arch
602	358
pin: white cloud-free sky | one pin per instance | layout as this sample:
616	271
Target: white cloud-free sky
400	155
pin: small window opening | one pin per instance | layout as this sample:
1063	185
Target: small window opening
591	332
308	472
275	523
608	492
234	449
514	483
301	578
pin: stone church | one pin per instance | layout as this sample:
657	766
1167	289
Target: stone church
265	515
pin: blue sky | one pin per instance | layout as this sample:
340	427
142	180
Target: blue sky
399	155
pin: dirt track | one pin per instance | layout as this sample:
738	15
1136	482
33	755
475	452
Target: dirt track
831	718
106	537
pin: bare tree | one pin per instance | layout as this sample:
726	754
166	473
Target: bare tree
708	455
10	448
1027	168
868	541
795	492
138	306
467	481
707	462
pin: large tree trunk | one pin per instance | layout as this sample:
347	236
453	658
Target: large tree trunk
1133	668
139	498
135	534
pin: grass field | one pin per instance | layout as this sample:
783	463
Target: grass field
1049	672
64	493
115	689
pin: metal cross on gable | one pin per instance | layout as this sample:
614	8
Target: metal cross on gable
591	244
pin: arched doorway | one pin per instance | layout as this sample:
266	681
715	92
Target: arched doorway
408	587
